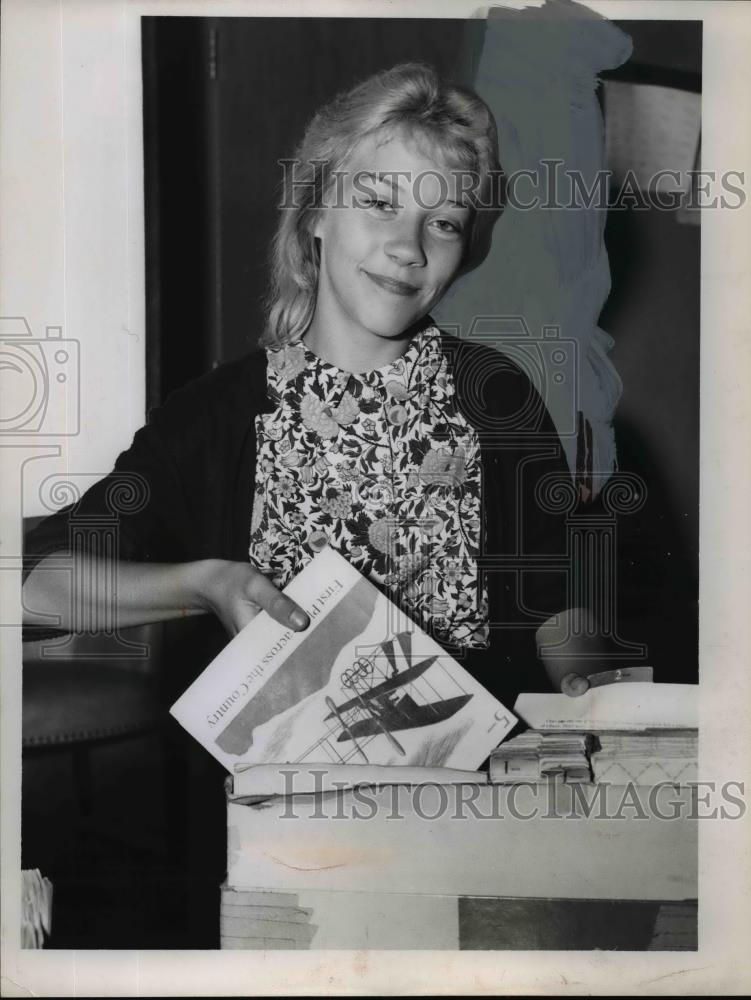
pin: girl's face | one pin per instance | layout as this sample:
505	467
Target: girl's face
391	241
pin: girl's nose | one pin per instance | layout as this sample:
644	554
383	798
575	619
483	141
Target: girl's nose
404	246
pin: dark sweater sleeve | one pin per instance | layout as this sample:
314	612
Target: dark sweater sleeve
537	491
171	492
525	554
182	491
136	508
144	509
527	488
129	515
544	498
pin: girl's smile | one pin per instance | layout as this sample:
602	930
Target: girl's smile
389	250
392	285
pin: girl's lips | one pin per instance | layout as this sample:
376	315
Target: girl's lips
391	285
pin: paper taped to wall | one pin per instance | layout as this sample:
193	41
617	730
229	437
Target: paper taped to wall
649	129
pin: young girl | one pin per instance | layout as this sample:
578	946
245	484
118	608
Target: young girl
420	458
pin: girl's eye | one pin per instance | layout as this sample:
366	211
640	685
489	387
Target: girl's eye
380	204
444	226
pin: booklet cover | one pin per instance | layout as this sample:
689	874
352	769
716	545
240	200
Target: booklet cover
361	685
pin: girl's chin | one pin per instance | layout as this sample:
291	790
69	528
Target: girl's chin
390	327
391	333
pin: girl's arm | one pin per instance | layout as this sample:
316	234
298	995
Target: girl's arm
152	592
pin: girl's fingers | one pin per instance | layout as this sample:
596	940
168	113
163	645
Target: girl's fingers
263	593
243	613
574	685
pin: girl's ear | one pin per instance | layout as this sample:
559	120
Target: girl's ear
315	223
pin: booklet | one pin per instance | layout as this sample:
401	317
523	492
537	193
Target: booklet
361	685
624	706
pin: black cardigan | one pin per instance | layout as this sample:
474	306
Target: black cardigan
183	491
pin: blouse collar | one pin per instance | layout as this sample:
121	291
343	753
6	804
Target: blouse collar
409	374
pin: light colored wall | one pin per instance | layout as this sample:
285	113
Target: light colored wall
72	216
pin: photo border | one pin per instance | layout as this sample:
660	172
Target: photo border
63	33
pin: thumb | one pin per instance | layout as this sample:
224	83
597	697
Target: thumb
243	612
265	595
574	685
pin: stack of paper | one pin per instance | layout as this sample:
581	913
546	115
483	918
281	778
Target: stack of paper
534	756
36	908
627	706
261	920
261	781
647	758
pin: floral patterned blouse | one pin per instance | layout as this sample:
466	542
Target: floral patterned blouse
383	467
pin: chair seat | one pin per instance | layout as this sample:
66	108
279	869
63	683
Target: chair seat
69	701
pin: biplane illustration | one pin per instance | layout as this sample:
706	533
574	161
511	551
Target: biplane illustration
388	693
362	685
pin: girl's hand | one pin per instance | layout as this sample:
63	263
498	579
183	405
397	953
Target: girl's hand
235	592
570	637
574	685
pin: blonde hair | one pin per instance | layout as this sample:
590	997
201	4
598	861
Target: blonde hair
456	123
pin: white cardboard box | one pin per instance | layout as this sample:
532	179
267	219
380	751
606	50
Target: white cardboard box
384	867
